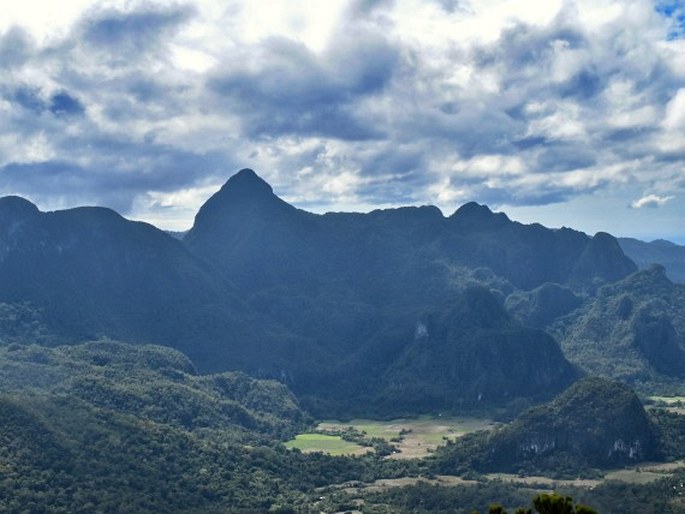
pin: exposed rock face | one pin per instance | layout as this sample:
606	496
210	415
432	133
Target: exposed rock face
595	423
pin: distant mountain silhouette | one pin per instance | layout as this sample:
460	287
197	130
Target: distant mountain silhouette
670	255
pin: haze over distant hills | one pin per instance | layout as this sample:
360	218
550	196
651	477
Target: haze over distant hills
394	308
670	255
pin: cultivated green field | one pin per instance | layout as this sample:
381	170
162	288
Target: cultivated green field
417	436
330	444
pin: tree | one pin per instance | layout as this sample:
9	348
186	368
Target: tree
555	504
547	504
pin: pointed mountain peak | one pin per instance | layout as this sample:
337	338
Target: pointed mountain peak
603	242
247	182
473	209
13	208
473	213
605	238
603	258
245	195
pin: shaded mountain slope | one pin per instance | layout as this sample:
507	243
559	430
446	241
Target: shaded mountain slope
474	349
531	255
543	305
356	285
92	269
632	331
92	273
328	304
595	423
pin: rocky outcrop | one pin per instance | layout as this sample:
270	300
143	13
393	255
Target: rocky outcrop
595	423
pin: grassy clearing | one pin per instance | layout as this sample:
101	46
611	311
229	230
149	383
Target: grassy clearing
542	481
419	436
388	483
670	403
643	474
632	476
330	444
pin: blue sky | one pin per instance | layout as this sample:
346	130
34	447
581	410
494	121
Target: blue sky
568	113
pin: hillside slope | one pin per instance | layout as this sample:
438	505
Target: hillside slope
596	423
328	304
110	427
632	331
89	273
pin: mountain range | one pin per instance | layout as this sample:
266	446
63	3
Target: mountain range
396	309
670	255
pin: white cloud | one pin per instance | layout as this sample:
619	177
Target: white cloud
446	196
44	19
651	200
186	58
35	148
490	165
675	112
478	22
563	120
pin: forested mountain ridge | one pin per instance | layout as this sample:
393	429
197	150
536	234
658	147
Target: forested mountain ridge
110	427
329	304
245	215
89	273
156	384
632	331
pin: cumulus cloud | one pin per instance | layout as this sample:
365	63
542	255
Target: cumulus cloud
283	88
651	201
362	103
